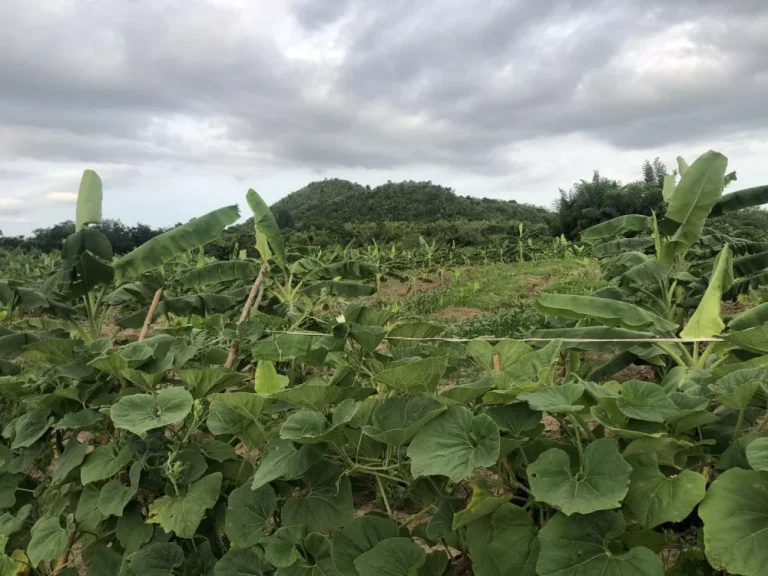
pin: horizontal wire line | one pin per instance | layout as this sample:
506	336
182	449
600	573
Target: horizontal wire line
496	339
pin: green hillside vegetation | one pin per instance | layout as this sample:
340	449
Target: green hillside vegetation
329	202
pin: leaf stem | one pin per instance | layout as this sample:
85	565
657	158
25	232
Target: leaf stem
739	423
384	495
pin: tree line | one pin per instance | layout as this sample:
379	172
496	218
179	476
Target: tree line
340	212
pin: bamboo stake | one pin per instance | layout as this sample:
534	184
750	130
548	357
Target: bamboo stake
496	363
150	313
254	299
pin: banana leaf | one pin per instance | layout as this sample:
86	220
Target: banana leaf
89	199
160	249
697	192
264	222
608	312
706	321
621	245
740	199
617	226
221	272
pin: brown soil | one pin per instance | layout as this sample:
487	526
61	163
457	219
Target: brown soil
458	313
551	426
635	373
394	289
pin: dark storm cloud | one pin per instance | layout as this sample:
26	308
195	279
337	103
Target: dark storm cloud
449	83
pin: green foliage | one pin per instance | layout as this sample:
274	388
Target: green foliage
344	439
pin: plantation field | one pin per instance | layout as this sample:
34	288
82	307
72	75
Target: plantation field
543	408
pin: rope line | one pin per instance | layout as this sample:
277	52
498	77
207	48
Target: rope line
497	339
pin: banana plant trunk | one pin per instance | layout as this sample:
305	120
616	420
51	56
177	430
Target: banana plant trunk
254	298
150	314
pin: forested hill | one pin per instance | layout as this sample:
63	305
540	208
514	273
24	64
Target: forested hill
322	204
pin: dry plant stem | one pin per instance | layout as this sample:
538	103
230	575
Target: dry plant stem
496	363
61	563
150	313
254	299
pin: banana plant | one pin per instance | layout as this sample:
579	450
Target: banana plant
668	284
88	269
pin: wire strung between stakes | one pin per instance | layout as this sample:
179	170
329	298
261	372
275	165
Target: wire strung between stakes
497	339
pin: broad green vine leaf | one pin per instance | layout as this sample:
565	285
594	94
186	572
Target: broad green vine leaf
281	548
315	394
283	460
482	503
204	381
114	497
307	427
131	530
243	562
49	540
504	543
142	412
368	337
248	512
105	562
160	249
79	420
413	330
410	377
646	401
579	546
517	419
71	458
435	565
10	524
159	559
8	486
237	413
87	513
358	537
757	454
654	498
735	515
31	427
397	420
218	451
391	557
326	506
736	389
455	444
601	485
201	561
468	393
15	564
103	463
267	380
706	321
182	514
554	399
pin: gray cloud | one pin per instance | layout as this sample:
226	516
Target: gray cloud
367	85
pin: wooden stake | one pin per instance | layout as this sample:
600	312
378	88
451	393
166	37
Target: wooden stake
150	313
496	363
254	299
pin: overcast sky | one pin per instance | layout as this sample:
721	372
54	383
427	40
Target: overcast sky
183	105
